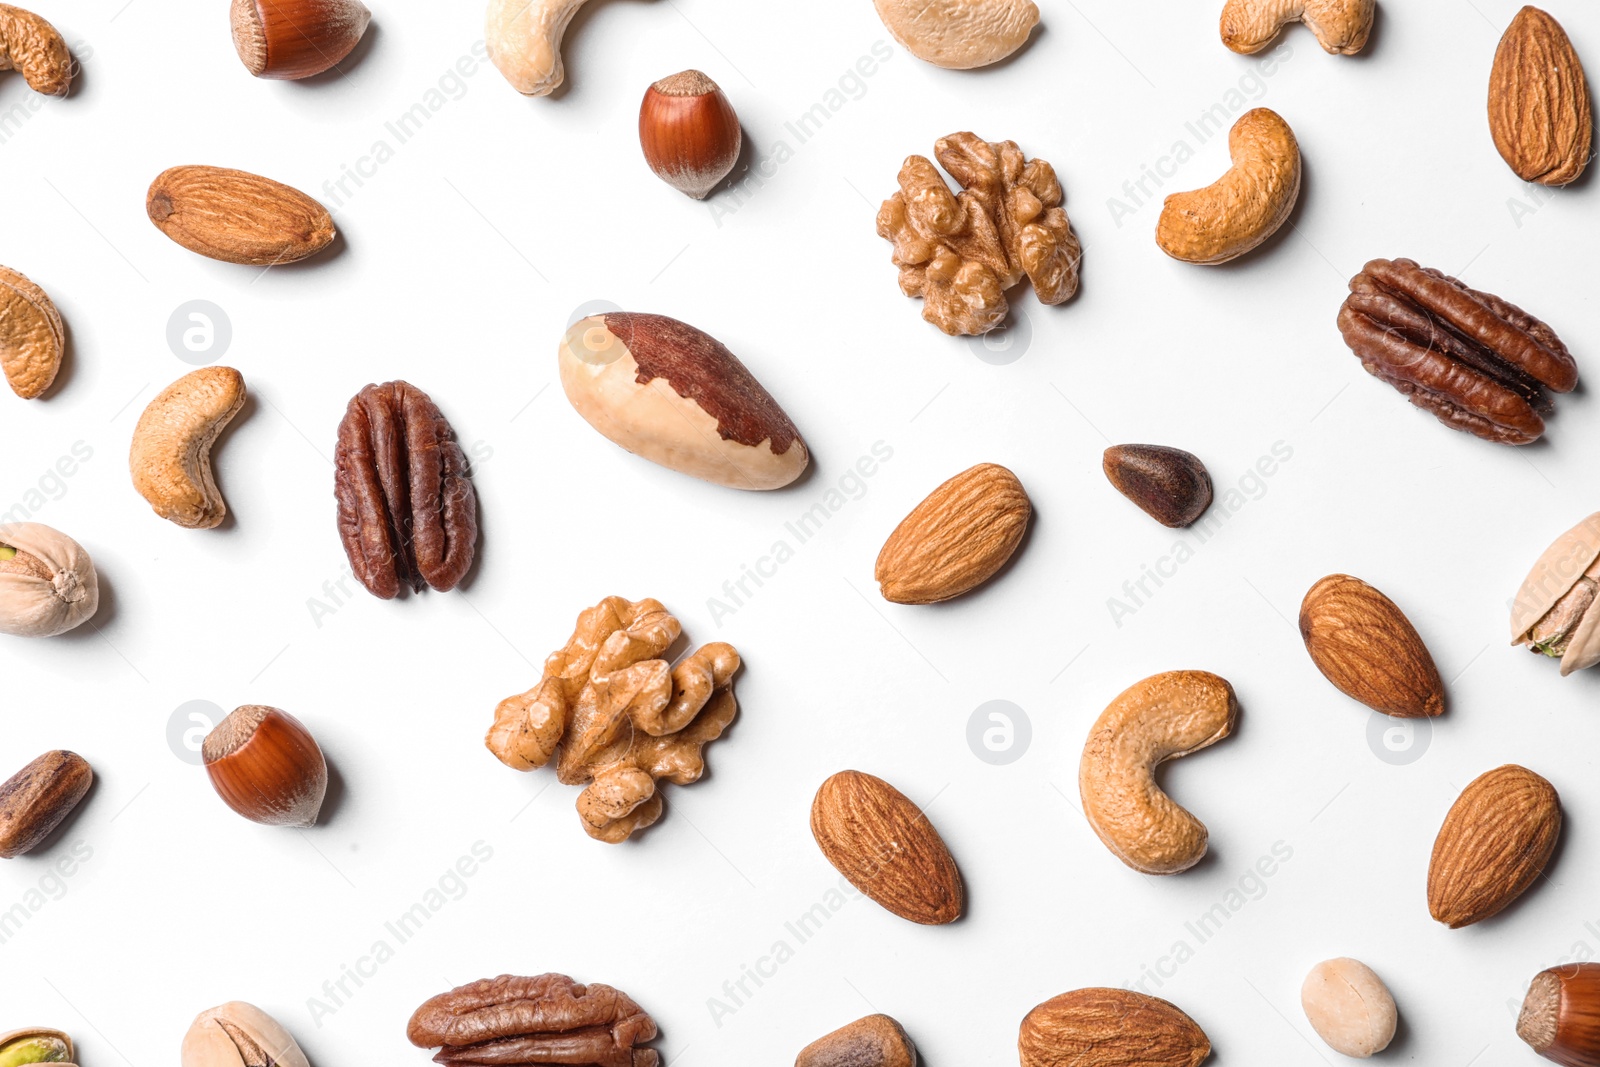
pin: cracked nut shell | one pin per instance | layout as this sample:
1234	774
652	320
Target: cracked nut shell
237	1034
1557	610
35	800
48	583
1170	485
266	766
35	1045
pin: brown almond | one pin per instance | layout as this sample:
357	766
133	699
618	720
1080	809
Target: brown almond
1110	1028
1495	841
1539	101
238	217
956	539
35	799
887	848
1368	649
876	1041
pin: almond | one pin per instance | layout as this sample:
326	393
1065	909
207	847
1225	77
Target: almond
1110	1028
237	217
1495	841
956	539
887	848
1368	649
1539	101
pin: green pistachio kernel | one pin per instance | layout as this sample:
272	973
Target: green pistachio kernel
34	1048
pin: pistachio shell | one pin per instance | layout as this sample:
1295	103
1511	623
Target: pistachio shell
34	605
53	1047
1574	555
1583	651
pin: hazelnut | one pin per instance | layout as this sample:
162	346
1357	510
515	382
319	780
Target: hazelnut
689	133
292	39
266	766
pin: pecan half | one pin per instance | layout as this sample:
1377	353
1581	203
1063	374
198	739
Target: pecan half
1475	361
549	1019
408	514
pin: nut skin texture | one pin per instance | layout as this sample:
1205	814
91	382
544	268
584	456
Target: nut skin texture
237	1034
1349	1007
1557	611
875	1041
524	42
35	1045
170	459
1368	649
237	217
266	766
1475	361
32	337
408	512
620	715
959	537
31	45
960	253
1166	716
35	799
879	840
689	133
1341	26
1246	205
676	396
548	1019
1494	843
959	34
1560	1017
292	39
1539	101
1170	485
49	585
1110	1028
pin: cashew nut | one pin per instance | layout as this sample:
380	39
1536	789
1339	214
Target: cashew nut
524	41
959	34
31	335
1245	206
1341	26
171	455
1163	717
30	44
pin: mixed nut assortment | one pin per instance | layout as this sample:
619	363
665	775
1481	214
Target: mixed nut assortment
618	716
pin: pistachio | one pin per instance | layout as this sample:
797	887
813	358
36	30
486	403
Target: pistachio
1557	610
47	581
36	1045
237	1034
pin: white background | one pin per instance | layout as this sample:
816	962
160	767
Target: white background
461	261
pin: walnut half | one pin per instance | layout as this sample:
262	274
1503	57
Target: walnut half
961	252
621	717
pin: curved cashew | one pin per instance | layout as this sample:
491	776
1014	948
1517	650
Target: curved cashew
959	34
1245	206
30	44
171	455
31	335
1163	717
524	41
1341	26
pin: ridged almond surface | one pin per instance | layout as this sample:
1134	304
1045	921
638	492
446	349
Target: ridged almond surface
1368	649
1495	841
956	539
887	848
1110	1028
237	217
1539	101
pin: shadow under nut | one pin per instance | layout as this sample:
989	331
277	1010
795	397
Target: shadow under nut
1166	716
171	455
1246	205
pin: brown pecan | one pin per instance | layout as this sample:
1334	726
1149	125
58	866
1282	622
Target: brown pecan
549	1019
407	511
1477	362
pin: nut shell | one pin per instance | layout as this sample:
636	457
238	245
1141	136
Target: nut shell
956	539
1494	843
49	586
291	39
1572	558
237	1034
1560	1017
1539	101
887	848
35	800
1170	485
266	766
1368	649
31	335
237	217
35	1045
689	133
876	1041
1110	1028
